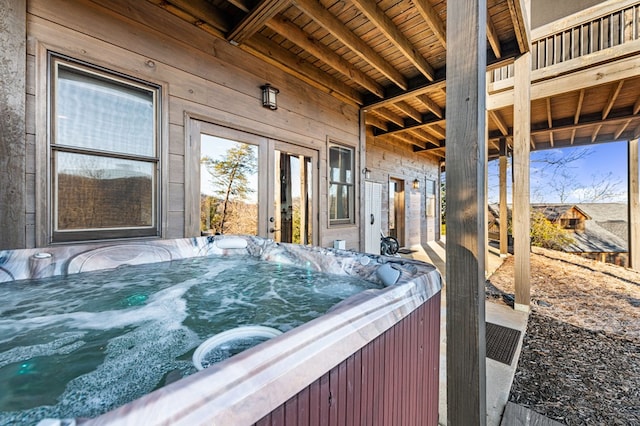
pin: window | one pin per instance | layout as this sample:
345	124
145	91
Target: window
430	192
341	185
103	153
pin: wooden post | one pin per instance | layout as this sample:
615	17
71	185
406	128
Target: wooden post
521	149
466	211
504	213
634	207
13	57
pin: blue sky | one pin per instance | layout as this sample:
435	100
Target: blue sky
601	164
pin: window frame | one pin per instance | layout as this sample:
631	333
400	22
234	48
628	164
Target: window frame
350	220
54	62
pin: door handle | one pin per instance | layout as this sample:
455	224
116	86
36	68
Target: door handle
272	230
372	219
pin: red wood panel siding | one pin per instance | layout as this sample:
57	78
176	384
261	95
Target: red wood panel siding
393	381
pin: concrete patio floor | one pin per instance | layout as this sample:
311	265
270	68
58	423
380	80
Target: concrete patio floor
499	375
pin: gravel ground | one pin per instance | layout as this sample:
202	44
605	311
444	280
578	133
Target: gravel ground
580	361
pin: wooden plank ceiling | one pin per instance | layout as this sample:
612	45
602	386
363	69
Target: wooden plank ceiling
571	117
387	56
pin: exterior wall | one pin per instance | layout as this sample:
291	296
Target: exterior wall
397	160
201	77
391	381
545	11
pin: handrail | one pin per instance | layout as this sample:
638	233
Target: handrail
580	34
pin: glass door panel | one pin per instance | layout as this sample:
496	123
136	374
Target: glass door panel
228	186
293	205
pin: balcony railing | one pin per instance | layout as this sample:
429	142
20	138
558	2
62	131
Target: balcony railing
569	39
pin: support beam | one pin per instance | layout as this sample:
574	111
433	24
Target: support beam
576	117
13	56
466	212
410	111
504	212
521	165
255	20
202	10
494	41
377	16
612	99
499	121
634	207
372	120
325	19
431	105
432	19
297	36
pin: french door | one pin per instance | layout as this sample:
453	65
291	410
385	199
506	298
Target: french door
252	185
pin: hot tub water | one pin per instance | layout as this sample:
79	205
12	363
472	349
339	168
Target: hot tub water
80	345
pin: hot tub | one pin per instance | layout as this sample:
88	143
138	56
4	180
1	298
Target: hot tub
371	356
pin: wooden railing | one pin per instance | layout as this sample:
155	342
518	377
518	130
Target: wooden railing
571	38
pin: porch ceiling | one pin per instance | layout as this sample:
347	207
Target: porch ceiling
388	56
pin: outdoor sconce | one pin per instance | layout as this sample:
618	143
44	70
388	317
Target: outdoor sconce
367	173
416	184
269	96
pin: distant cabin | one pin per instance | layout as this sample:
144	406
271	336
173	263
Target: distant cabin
599	230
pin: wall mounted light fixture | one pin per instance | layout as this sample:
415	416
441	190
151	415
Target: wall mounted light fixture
416	184
269	96
367	173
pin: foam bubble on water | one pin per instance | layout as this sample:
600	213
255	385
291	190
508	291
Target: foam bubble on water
64	344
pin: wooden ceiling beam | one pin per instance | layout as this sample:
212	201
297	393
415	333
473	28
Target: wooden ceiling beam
437	130
594	135
409	110
593	121
241	4
573	136
333	25
202	10
428	125
492	36
523	34
636	106
612	99
372	120
549	115
380	19
421	134
404	140
431	105
576	117
290	63
636	133
551	141
499	121
217	30
255	20
432	19
426	89
314	47
621	129
391	116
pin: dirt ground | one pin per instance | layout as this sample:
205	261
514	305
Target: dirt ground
580	361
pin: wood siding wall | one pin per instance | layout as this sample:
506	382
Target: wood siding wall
392	381
201	77
387	160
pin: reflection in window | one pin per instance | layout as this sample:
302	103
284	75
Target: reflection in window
431	198
103	154
341	185
228	187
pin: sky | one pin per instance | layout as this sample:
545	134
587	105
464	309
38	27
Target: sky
602	163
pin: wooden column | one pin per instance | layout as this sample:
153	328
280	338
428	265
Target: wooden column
634	207
466	211
521	149
504	213
13	57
